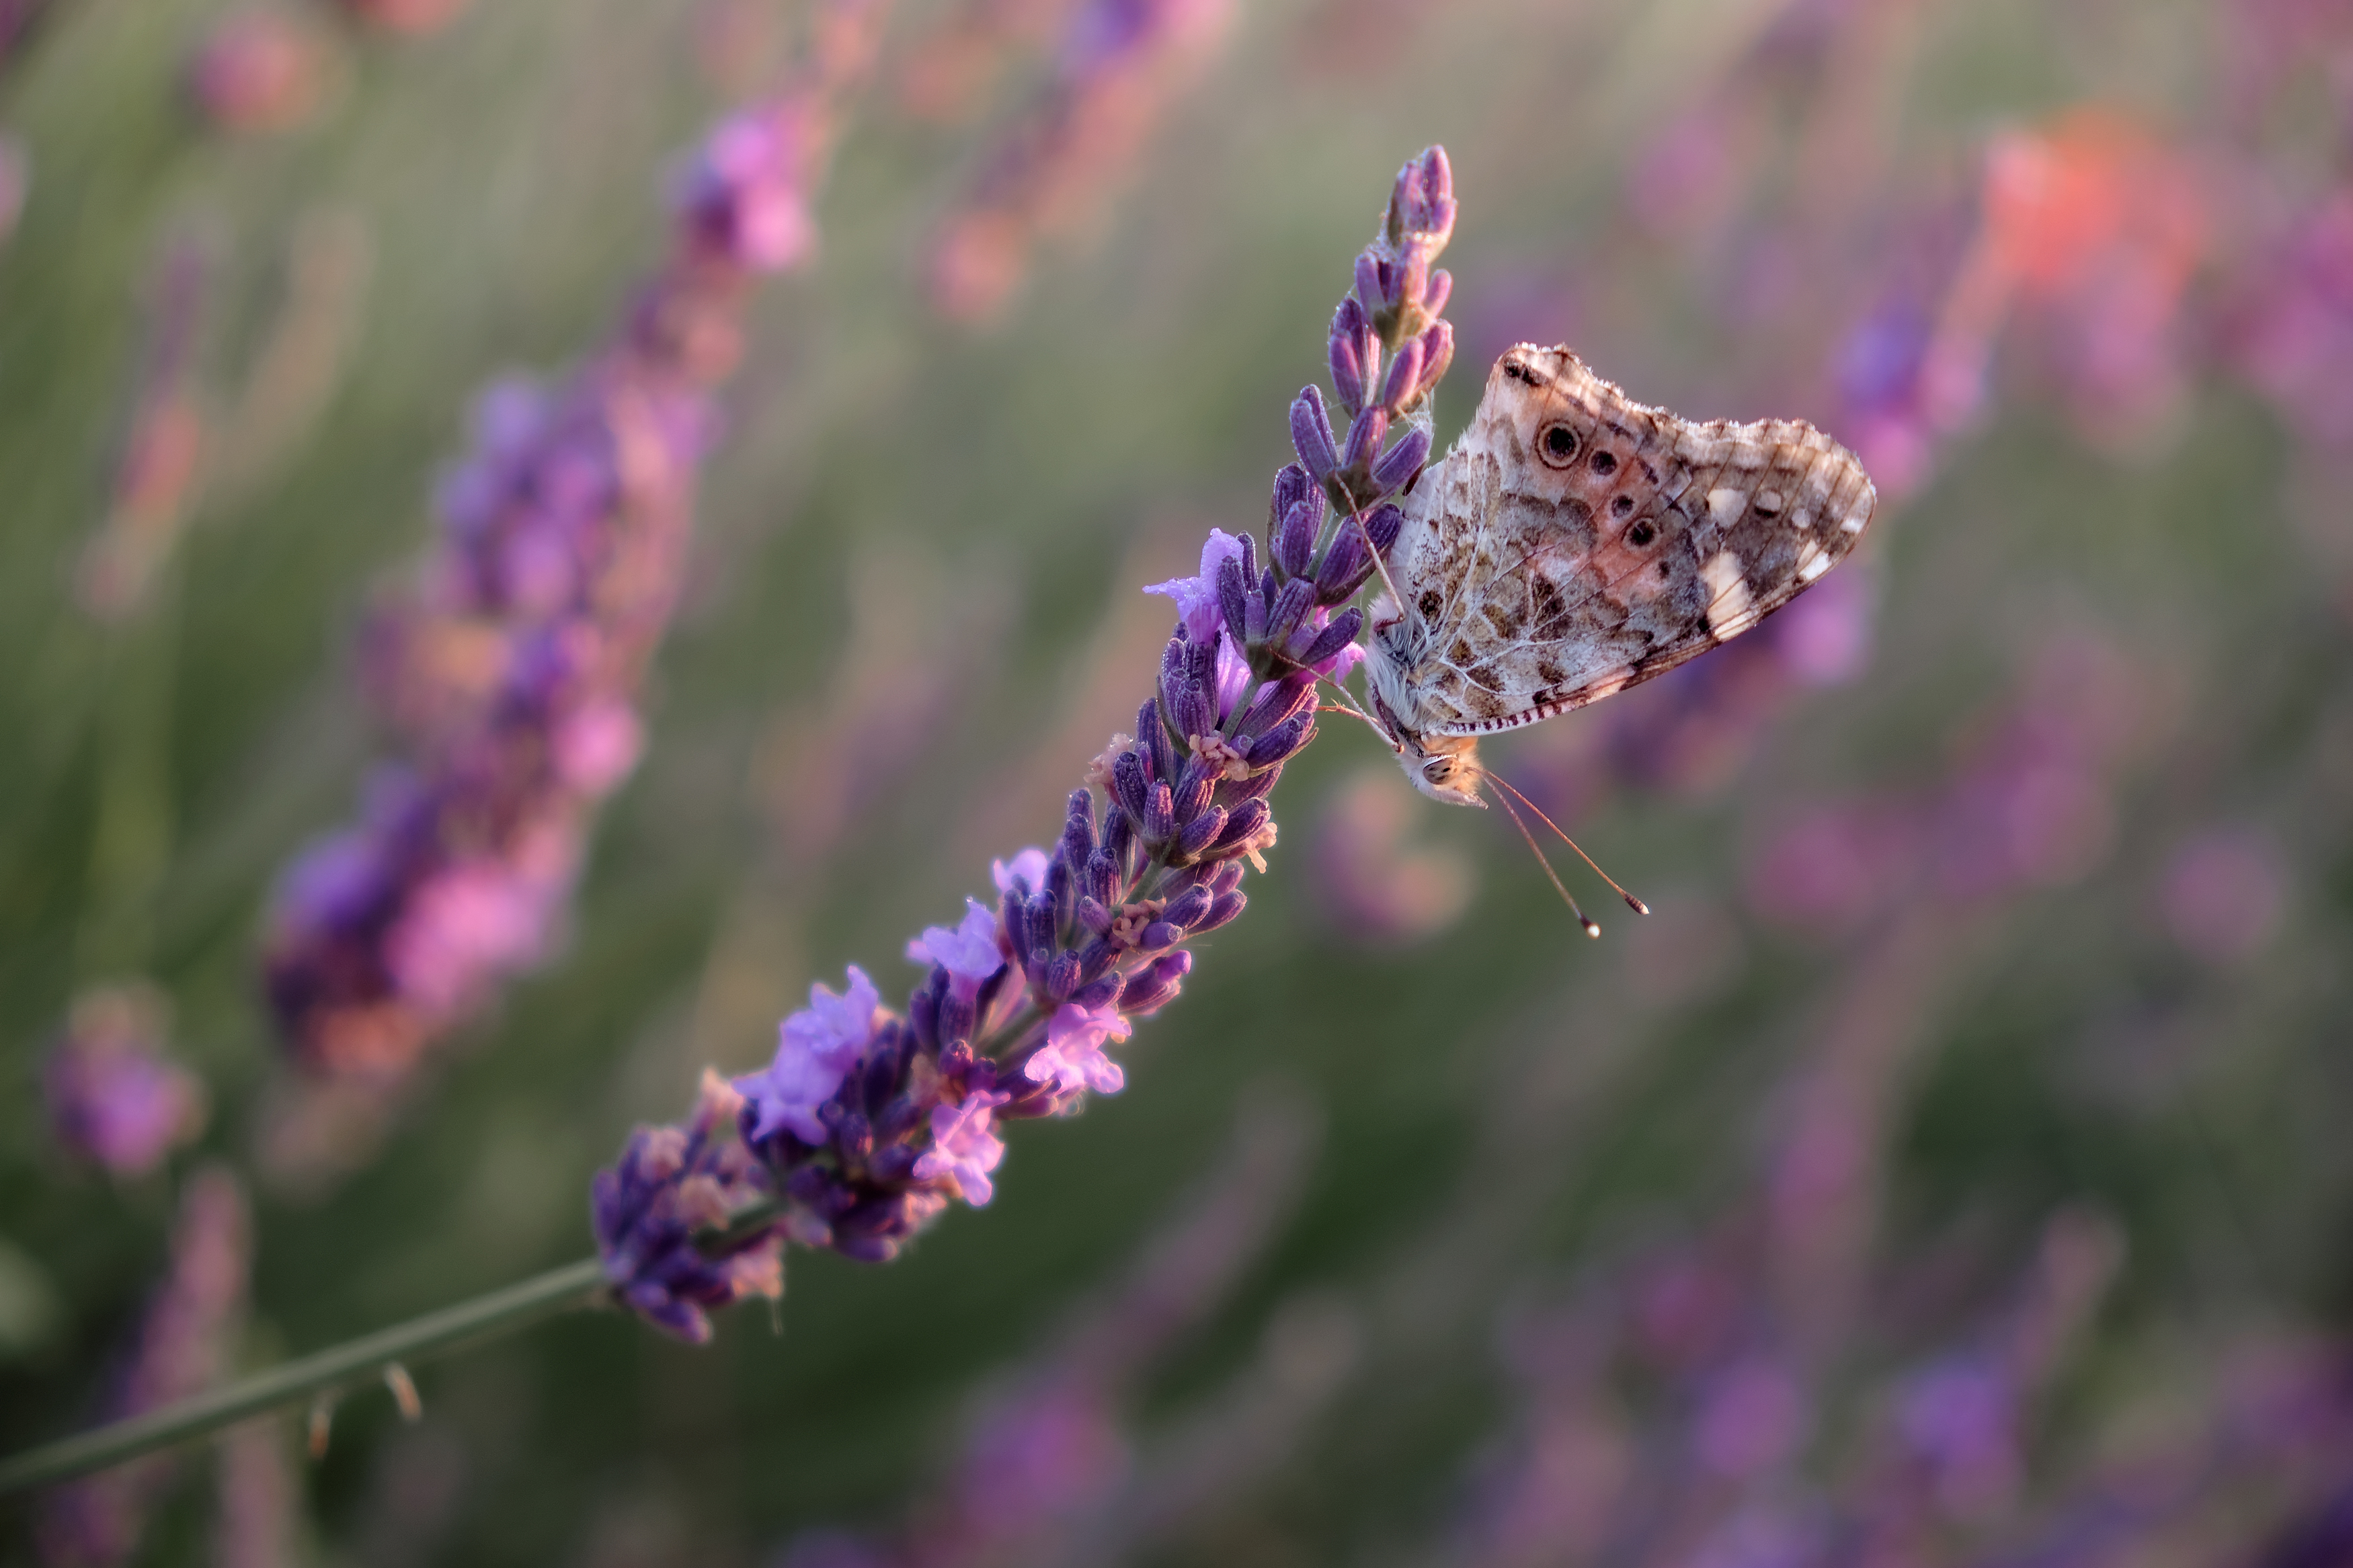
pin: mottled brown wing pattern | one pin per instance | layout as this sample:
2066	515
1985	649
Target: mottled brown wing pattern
1576	542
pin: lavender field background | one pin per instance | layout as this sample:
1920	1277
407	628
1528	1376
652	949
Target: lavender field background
1952	1168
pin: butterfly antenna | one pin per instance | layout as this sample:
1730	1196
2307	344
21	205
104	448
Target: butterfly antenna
1592	928
1637	905
1347	704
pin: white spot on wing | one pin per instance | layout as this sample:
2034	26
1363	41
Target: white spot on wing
1729	609
1725	505
1816	562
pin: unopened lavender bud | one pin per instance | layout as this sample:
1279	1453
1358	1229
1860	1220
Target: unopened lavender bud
1062	888
1093	915
1345	566
1398	465
1160	743
1334	638
1233	592
1292	486
1223	909
956	1021
1098	995
1159	823
1036	935
1403	383
1421	206
1278	744
1155	987
1095	960
1384	526
1099	883
1372	287
1254	787
1294	540
1194	788
1433	301
1365	436
1348	368
1242	824
1062	975
1290	606
1188	908
1437	343
1229	875
1119	836
1412	286
1202	831
1159	935
1278	701
854	1138
1311	435
1128	784
923	1010
1173	659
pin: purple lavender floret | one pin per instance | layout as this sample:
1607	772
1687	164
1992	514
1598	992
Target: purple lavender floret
870	1121
656	1209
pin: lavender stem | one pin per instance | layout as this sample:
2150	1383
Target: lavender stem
353	1364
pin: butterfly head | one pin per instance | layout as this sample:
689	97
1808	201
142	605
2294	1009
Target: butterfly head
1443	767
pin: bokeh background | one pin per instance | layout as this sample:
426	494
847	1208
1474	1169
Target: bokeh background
1952	1168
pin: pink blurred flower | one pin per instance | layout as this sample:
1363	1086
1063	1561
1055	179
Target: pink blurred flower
114	1097
2223	893
258	72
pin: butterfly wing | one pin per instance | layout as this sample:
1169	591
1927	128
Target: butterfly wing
1576	542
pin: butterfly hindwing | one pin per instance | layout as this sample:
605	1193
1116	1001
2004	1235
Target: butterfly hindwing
1576	542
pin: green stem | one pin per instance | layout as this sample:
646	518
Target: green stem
501	1311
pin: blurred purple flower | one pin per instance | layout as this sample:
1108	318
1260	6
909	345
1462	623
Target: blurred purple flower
744	198
511	665
184	1343
1048	1461
1121	62
114	1098
1752	1417
1373	886
2291	332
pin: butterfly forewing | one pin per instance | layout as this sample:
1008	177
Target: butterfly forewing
1576	542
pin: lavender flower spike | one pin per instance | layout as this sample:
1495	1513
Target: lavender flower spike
870	1121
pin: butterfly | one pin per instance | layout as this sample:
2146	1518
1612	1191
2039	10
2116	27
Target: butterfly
1575	542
